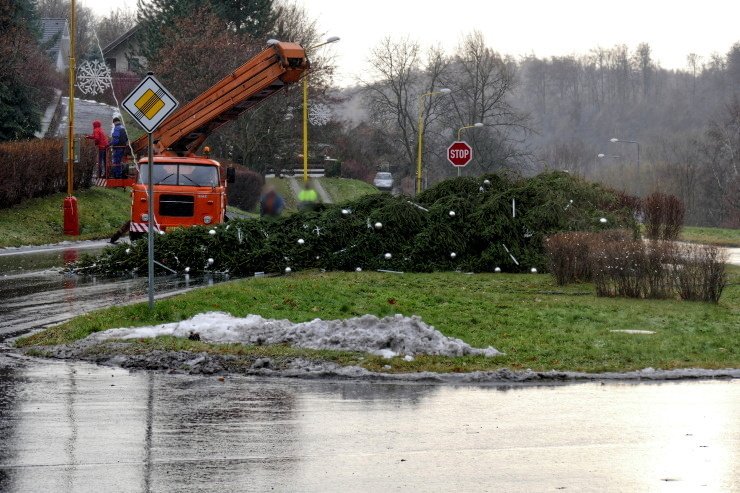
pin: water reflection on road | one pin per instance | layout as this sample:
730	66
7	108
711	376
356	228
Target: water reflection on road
76	427
34	293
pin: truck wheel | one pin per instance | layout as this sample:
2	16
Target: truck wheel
134	236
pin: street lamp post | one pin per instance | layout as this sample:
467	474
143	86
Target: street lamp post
332	39
71	220
614	139
444	90
459	132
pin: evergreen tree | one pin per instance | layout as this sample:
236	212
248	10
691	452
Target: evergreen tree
25	68
253	17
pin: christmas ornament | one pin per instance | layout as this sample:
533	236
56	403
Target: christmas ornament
93	77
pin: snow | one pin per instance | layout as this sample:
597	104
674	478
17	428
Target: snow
387	337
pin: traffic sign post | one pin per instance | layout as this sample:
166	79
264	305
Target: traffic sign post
459	154
150	104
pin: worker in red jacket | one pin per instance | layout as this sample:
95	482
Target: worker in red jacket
101	142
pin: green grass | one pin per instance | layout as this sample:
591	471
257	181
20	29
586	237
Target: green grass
103	210
711	236
40	221
538	325
343	190
340	189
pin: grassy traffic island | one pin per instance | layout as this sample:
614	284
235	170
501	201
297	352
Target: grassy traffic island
463	257
539	326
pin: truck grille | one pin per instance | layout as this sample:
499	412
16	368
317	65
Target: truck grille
176	205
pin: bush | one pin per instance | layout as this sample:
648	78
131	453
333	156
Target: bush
332	169
659	270
664	215
569	255
244	193
354	170
35	168
703	274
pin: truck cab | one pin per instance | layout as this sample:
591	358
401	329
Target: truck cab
187	191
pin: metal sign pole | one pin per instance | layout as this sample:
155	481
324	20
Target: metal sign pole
149	104
150	224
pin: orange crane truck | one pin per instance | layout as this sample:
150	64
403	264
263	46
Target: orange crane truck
189	189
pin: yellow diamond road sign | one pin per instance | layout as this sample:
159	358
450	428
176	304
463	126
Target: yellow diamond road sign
150	103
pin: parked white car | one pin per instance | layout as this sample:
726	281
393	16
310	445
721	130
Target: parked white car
383	181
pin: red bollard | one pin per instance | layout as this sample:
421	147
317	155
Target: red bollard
71	217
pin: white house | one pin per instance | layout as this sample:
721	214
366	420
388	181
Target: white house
122	53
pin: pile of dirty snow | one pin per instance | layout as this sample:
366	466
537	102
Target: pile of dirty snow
387	337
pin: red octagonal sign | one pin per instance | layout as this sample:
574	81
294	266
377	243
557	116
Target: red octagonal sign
459	153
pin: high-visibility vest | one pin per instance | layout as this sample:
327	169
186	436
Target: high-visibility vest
307	195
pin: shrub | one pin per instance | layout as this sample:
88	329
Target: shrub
332	169
569	255
36	168
354	170
244	193
703	274
658	269
664	215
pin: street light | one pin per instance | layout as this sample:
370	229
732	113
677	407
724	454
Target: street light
610	157
332	39
70	219
444	90
475	125
614	139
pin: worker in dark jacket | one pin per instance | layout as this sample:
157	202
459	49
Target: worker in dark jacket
119	141
271	204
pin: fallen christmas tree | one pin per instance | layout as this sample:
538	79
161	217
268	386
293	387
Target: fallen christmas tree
468	224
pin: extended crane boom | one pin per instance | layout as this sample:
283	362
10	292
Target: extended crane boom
259	78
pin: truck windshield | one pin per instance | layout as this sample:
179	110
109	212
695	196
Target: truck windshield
188	175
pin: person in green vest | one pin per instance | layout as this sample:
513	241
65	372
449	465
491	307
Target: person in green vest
307	197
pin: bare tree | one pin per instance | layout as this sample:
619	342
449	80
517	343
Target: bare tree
693	60
722	159
481	82
397	95
645	66
115	24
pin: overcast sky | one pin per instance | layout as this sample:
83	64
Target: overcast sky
673	28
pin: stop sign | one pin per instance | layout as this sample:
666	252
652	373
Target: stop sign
459	153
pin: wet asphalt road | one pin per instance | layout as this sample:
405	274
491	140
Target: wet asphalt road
73	427
34	293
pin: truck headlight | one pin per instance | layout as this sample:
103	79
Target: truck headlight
145	218
207	219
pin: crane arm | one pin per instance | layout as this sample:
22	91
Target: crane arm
246	87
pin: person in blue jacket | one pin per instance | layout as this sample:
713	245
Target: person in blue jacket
119	141
271	204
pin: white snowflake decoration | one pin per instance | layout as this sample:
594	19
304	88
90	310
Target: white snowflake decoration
93	77
319	114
